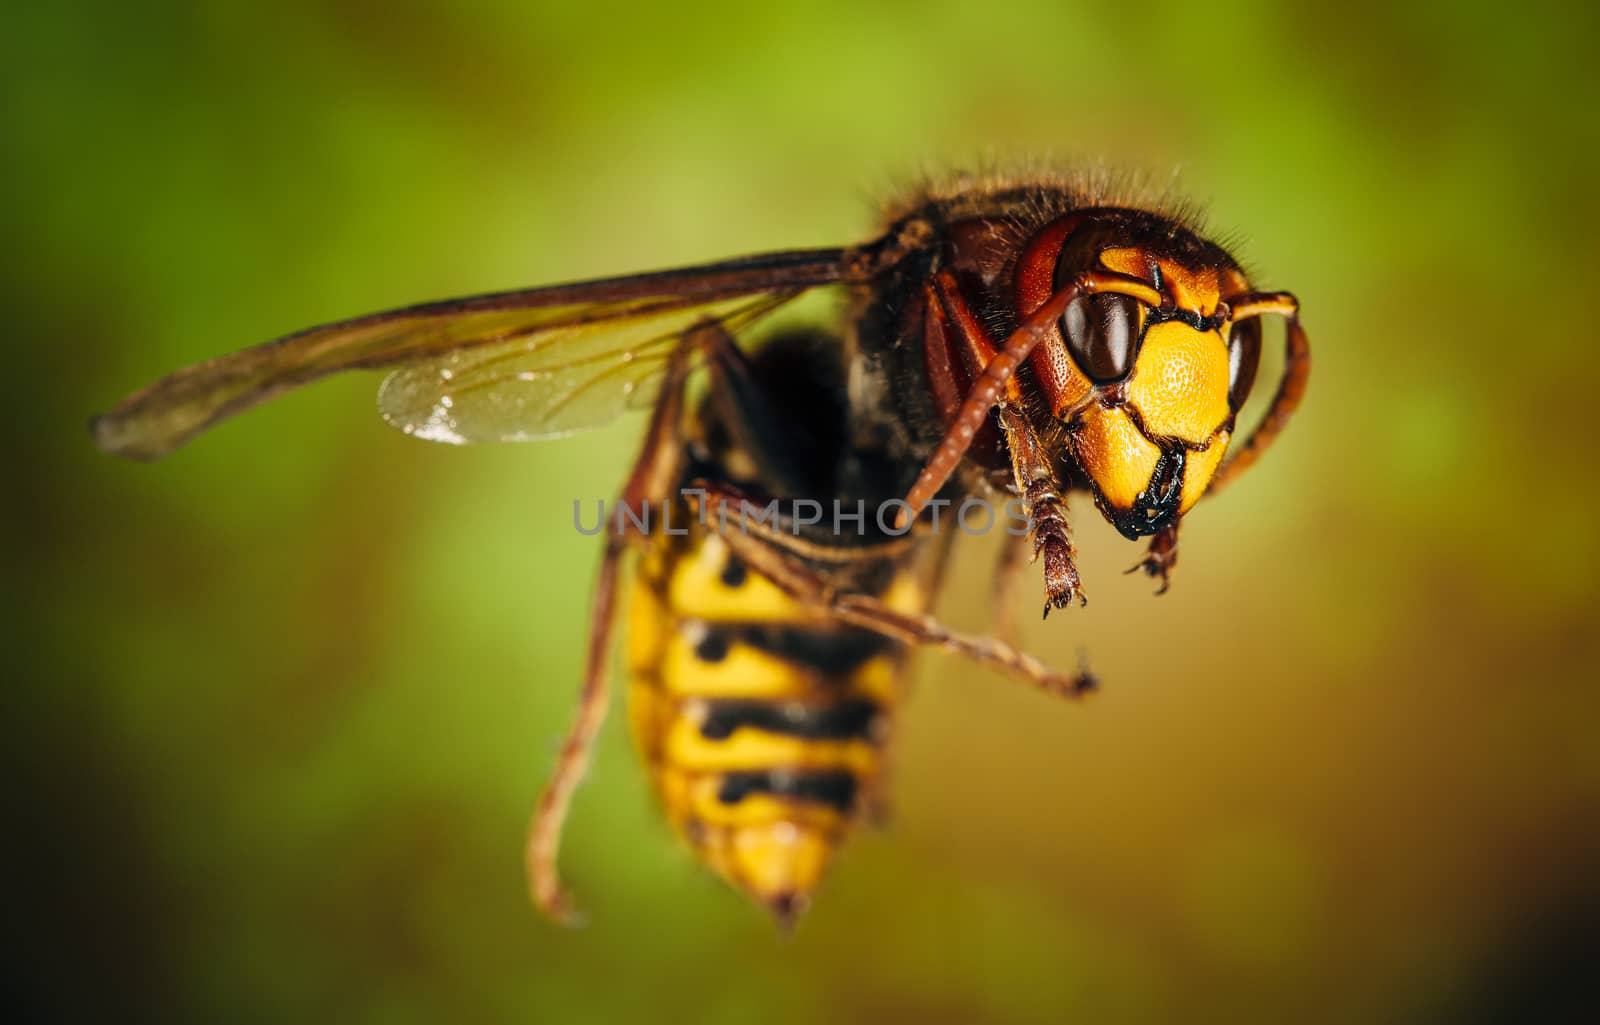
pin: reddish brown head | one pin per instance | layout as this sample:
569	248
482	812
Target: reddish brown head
1148	393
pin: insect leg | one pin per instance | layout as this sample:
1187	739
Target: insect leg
1160	557
1047	513
1031	469
766	555
544	834
985	392
1291	389
652	477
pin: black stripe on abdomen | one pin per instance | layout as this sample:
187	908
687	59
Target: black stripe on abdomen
850	719
833	653
836	788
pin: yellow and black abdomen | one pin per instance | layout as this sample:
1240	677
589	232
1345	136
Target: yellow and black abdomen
764	724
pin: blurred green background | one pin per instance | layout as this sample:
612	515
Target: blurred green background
280	704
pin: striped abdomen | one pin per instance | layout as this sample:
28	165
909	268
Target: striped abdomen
763	724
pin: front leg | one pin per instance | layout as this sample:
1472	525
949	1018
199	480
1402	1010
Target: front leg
1047	513
1052	540
1160	557
1035	478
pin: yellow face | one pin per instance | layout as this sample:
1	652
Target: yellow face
1151	439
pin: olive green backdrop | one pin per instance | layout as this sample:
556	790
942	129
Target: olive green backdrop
280	704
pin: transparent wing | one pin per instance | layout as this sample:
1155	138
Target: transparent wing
534	363
554	382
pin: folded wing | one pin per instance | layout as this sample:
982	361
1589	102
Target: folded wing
508	366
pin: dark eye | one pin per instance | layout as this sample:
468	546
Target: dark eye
1244	353
1102	333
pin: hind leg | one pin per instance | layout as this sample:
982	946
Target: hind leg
654	473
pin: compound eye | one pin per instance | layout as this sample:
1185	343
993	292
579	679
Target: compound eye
1102	332
1244	354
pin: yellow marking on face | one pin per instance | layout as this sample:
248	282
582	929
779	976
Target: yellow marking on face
1232	282
1130	260
1191	290
1196	290
1119	459
1179	383
1199	468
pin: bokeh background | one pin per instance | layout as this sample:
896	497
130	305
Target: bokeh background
279	705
